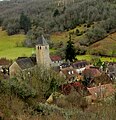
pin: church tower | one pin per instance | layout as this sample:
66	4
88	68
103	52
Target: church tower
42	53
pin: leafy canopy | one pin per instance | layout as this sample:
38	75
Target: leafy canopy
25	22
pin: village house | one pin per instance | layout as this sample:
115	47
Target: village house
75	74
21	65
102	79
69	73
91	72
41	58
80	66
56	60
100	87
64	65
101	91
4	63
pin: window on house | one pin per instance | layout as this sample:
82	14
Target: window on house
72	72
69	72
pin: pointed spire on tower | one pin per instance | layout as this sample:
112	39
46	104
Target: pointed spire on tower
42	41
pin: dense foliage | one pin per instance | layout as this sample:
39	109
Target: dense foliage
52	16
36	17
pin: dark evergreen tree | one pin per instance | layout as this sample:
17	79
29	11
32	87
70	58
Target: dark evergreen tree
1	21
70	51
25	22
56	13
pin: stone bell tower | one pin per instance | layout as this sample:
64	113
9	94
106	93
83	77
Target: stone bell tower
42	53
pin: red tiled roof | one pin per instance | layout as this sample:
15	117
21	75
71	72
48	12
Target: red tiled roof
91	72
102	79
4	61
55	58
101	91
69	72
76	84
66	88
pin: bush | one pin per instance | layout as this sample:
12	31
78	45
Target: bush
98	51
77	32
4	24
20	88
81	50
13	28
109	24
95	34
84	41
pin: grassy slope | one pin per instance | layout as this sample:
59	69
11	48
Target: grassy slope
89	57
9	49
8	46
108	44
64	36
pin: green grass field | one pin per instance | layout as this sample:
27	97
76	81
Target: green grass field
8	46
89	57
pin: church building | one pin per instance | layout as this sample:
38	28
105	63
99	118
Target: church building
42	58
42	53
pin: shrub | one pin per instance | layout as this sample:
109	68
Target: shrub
20	88
98	51
13	28
95	34
84	41
77	32
81	50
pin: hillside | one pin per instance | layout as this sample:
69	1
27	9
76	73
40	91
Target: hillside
11	46
107	46
54	16
89	22
57	89
104	47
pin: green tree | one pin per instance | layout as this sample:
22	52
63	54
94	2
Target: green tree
1	21
70	51
95	34
25	22
99	63
13	28
56	13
